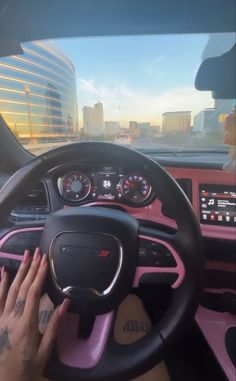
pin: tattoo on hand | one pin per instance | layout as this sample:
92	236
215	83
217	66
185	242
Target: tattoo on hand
28	364
19	306
4	340
136	326
28	367
45	316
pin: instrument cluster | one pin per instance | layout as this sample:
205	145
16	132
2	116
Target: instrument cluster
105	183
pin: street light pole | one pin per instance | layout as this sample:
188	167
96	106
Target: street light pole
27	93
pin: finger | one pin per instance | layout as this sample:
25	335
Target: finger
34	292
47	341
26	284
4	284
15	286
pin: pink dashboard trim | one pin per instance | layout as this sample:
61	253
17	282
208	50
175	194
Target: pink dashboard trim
17	231
214	326
179	269
198	176
15	257
207	176
78	353
153	211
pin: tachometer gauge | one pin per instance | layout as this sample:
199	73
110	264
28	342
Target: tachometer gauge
74	186
135	188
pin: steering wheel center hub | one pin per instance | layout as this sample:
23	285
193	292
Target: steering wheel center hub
85	262
92	254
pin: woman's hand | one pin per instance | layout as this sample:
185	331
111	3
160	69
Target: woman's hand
23	354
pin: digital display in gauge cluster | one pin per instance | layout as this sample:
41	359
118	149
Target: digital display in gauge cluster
104	184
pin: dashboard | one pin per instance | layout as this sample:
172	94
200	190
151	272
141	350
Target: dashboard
211	191
81	184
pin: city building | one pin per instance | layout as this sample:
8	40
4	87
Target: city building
205	121
139	128
38	97
88	118
112	127
143	126
133	125
155	130
93	120
211	120
176	121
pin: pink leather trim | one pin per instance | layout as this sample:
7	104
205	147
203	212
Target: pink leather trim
214	326
80	353
179	269
207	176
17	231
16	257
198	176
13	256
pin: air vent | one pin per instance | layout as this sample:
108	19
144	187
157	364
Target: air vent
186	185
34	206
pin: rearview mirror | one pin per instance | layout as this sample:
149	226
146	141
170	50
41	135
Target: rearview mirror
218	74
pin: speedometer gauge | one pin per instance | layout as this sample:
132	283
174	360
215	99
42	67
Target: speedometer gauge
74	186
135	188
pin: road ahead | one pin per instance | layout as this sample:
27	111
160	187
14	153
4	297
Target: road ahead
170	143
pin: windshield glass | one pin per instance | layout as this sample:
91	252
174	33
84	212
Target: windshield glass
136	91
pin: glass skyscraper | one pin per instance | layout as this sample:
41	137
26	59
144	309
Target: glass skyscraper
38	98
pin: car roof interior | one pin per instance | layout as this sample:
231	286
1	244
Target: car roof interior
27	20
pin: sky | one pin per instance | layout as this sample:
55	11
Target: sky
138	77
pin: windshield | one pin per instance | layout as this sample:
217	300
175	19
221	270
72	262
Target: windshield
135	90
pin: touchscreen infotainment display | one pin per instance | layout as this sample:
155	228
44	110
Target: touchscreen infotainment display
218	205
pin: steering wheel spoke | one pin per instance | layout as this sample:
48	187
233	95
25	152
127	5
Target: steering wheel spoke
158	259
83	353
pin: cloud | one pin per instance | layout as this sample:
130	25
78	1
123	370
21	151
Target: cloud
123	103
151	70
87	85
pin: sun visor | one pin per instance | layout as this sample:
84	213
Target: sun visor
9	47
218	74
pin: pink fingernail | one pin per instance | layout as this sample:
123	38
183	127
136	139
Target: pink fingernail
64	307
2	272
44	260
26	256
36	254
